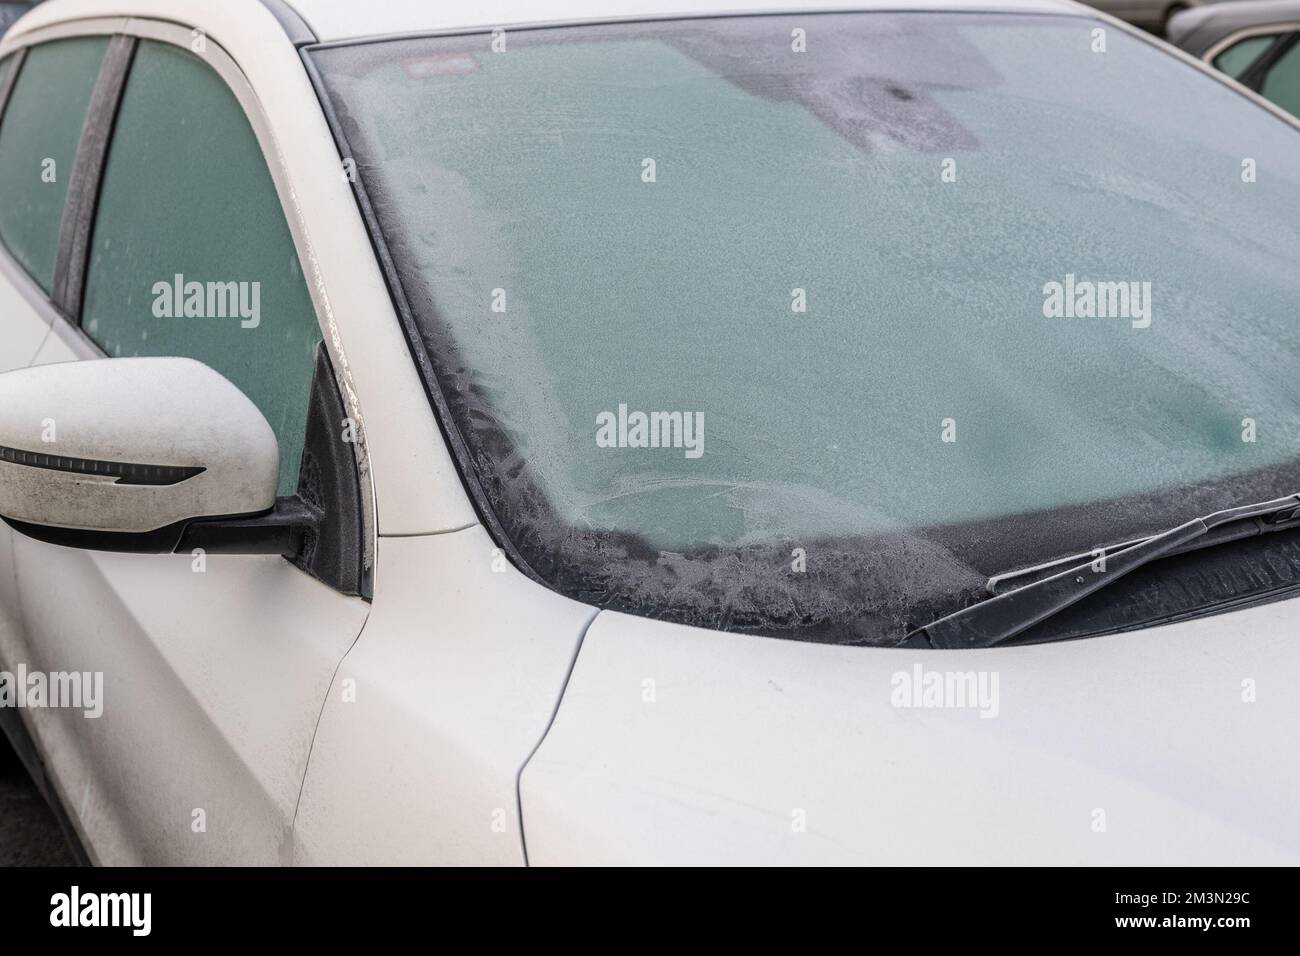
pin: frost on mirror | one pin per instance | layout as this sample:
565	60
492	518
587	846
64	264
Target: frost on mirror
695	217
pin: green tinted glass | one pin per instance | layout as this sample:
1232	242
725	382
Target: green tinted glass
795	269
38	143
846	269
1237	58
191	253
1282	84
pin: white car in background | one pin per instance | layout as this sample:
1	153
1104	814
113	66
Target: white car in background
1153	15
577	433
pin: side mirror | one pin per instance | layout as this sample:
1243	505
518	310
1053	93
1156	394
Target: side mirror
138	454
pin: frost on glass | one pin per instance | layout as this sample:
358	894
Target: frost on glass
187	198
38	144
523	172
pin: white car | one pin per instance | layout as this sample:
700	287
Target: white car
580	433
1153	15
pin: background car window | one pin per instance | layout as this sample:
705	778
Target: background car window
1236	59
1282	83
10	13
191	253
38	143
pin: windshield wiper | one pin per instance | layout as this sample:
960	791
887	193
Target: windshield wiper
1004	615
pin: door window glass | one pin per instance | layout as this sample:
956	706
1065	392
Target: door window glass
38	144
191	252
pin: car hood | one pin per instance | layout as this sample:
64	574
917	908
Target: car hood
1171	745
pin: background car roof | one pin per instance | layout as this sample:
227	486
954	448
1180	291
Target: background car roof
344	19
1198	29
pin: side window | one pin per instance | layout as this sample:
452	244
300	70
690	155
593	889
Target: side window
1236	59
38	143
1282	82
191	254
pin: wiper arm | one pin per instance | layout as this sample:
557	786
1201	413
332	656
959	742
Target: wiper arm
1003	616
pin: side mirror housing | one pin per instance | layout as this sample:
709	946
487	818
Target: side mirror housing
127	454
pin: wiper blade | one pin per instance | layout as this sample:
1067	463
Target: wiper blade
1004	615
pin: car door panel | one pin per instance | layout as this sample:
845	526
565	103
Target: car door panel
212	684
213	681
214	667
